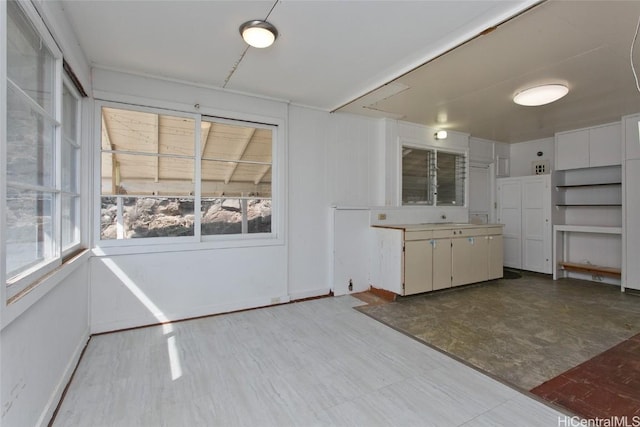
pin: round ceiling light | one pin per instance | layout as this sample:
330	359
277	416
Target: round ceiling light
258	33
540	95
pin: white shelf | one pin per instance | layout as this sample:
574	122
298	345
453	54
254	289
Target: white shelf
559	244
587	229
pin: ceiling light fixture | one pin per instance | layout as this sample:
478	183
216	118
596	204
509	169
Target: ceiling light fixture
540	95
441	134
258	33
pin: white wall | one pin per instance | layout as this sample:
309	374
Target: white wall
40	350
331	162
328	161
522	154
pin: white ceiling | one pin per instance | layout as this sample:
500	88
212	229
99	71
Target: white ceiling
330	53
584	44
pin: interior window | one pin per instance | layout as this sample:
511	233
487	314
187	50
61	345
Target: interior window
432	177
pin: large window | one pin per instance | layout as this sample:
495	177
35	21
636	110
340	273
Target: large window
433	177
41	208
166	175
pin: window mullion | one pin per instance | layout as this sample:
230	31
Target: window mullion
197	173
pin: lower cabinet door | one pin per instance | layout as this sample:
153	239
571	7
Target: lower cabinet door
441	263
462	261
495	257
417	267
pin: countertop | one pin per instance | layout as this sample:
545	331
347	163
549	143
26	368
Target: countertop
436	226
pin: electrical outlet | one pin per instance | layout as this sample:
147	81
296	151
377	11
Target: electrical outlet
382	216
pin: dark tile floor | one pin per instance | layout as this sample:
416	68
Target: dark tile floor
602	387
525	331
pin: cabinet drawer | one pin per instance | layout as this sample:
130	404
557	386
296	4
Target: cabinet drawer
418	235
469	232
442	234
494	231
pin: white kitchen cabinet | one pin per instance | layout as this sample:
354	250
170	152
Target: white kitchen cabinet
605	145
590	147
572	150
524	207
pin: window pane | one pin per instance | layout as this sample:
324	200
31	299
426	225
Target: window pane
151	133
70	220
221	216
69	115
29	63
417	176
225	216
29	231
70	163
30	144
236	142
146	175
146	217
235	179
451	178
259	215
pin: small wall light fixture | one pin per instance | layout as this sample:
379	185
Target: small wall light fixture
441	134
258	33
540	95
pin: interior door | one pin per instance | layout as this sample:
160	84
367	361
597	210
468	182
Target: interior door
479	194
510	214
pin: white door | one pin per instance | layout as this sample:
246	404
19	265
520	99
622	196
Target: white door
510	214
536	225
479	194
632	224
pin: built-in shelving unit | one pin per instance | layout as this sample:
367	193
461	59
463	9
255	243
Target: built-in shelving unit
588	231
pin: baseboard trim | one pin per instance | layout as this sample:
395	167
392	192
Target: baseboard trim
46	417
132	323
310	294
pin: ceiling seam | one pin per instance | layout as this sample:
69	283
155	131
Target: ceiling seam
237	63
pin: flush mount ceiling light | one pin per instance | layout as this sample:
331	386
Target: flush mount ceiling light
441	134
258	33
540	95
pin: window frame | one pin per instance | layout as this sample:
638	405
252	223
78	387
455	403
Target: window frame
73	248
197	241
404	143
31	277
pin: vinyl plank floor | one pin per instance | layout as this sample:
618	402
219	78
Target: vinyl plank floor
312	363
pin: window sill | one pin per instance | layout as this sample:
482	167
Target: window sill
19	305
140	247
